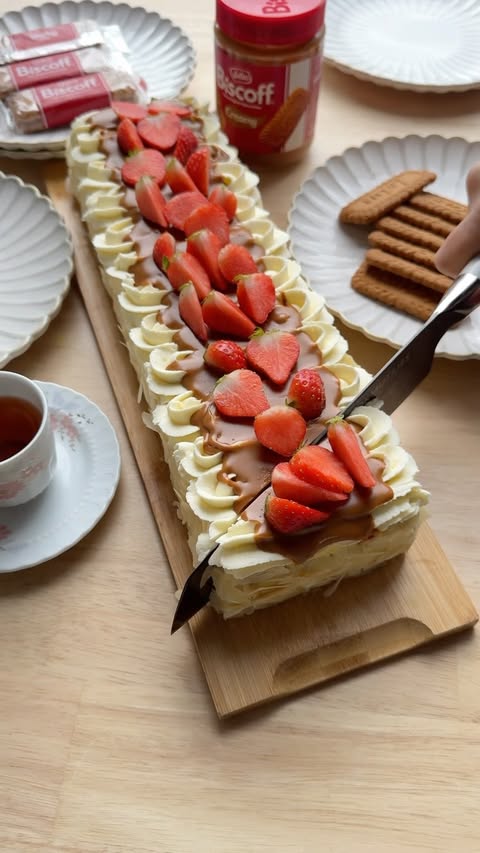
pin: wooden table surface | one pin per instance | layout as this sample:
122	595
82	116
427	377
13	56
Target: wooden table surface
108	739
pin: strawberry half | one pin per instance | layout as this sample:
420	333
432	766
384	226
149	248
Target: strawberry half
177	178
256	296
320	467
240	394
150	200
307	393
273	354
198	167
169	107
191	311
163	250
205	246
286	484
181	206
288	517
183	268
141	163
224	198
225	317
161	131
128	138
345	444
186	144
281	429
235	260
209	216
225	356
124	109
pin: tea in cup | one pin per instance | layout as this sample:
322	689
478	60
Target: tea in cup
27	444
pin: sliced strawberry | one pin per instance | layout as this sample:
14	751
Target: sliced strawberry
209	216
163	250
291	517
128	138
320	467
198	167
273	354
205	246
151	201
225	356
169	107
161	131
235	260
186	144
143	163
191	311
224	198
177	178
240	394
307	393
184	267
256	296
345	443
286	484
181	206
124	109
281	429
224	316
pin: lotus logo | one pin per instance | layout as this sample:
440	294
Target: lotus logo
240	75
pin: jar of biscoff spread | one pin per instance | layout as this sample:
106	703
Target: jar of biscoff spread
268	57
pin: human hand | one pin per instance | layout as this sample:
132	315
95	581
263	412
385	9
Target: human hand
464	242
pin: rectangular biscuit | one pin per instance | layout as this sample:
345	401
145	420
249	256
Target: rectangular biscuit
438	205
395	292
423	220
403	231
381	199
407	269
403	249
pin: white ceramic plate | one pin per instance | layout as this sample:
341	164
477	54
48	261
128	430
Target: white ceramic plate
427	45
330	252
160	52
35	265
84	483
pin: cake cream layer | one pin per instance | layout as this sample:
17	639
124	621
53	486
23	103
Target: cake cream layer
246	576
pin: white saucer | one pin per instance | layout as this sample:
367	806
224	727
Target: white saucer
424	45
330	252
85	481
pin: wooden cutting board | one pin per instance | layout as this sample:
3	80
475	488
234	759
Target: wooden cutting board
305	641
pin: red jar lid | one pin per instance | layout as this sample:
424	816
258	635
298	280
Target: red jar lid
277	22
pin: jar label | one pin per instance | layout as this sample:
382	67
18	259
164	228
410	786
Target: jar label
267	108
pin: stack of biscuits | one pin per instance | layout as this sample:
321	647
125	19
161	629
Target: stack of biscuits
408	227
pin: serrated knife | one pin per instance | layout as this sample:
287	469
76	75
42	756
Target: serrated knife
387	390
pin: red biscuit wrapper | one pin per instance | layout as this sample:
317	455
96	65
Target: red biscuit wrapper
58	66
57	104
58	39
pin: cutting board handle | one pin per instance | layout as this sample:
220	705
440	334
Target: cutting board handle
349	653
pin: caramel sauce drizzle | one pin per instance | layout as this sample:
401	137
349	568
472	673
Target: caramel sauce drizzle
246	464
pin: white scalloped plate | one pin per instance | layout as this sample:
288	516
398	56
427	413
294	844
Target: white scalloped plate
426	45
330	252
161	53
35	265
82	488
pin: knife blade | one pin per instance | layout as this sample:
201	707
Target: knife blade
388	389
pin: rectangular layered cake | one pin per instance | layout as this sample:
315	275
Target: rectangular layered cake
239	362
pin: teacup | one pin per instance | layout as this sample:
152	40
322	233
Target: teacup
27	444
